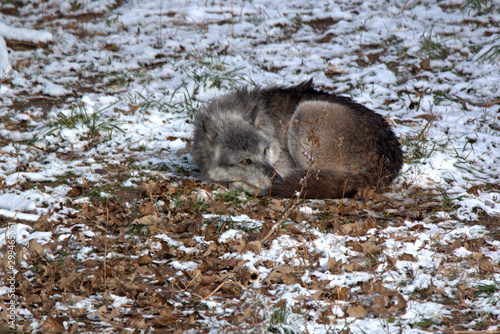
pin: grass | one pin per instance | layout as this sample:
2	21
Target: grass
420	148
490	55
170	167
91	123
206	71
139	230
431	45
487	290
233	196
478	7
202	71
284	321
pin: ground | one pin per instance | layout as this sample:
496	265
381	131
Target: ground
106	226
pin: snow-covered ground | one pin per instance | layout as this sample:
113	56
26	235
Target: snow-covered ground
98	96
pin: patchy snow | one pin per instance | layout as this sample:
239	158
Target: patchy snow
23	34
109	101
16	203
5	67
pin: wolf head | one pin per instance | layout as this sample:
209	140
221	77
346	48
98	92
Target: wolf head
234	143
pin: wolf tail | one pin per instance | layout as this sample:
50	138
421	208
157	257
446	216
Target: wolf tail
324	184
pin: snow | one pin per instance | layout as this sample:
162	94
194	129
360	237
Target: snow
270	43
5	67
14	202
23	34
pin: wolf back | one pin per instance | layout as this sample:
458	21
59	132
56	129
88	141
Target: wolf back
288	141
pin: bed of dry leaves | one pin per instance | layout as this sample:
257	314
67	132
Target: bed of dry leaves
124	263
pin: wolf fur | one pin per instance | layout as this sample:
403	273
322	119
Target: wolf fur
286	141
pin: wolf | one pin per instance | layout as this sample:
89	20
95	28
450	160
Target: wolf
294	141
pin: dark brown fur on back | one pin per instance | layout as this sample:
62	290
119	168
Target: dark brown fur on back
377	137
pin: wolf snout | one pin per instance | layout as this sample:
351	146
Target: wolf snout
276	178
271	173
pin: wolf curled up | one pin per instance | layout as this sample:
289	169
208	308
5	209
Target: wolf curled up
294	141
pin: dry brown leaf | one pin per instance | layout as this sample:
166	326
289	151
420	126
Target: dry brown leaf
75	191
334	266
254	246
237	245
185	150
353	266
277	274
149	209
389	120
294	229
144	259
378	305
357	311
148	220
138	323
21	255
370	247
485	265
297	216
427	117
399	306
121	237
357	228
53	325
151	187
165	319
212	247
242	317
340	293
407	257
67	280
475	190
291	279
35	248
425	64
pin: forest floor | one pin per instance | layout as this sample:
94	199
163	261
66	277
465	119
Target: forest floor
106	226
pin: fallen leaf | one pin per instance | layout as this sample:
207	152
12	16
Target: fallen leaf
145	259
75	191
426	64
53	325
35	248
254	246
485	265
378	305
407	257
357	311
148	220
427	117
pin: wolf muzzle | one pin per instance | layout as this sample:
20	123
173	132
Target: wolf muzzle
272	173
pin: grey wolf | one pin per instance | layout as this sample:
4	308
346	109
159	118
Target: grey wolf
294	141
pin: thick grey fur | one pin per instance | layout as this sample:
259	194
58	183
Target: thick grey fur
286	141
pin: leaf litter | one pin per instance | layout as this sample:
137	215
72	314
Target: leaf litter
115	232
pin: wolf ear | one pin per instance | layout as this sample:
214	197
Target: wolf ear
210	135
308	83
252	115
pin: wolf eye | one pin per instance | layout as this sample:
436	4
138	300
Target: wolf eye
265	151
246	162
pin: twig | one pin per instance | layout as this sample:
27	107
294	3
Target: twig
192	280
218	288
407	5
10	153
106	254
290	209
